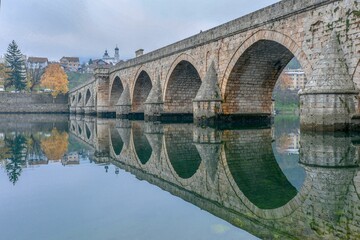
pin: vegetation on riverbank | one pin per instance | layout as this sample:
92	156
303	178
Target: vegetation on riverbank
286	99
76	78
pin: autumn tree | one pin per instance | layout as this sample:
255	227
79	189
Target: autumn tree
33	76
16	65
286	81
55	79
33	146
56	145
3	73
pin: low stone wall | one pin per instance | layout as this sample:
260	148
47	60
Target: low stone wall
33	103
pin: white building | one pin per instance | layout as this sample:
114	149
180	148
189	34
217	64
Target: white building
70	63
111	60
71	159
37	63
298	78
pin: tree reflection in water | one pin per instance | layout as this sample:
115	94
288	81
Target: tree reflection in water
17	150
56	145
16	159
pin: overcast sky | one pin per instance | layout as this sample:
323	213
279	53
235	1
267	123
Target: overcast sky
85	28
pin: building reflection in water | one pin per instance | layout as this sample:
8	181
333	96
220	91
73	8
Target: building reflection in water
241	176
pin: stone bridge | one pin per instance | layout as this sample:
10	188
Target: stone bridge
235	175
231	70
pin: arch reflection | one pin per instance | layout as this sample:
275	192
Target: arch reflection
116	141
181	151
141	144
88	132
254	168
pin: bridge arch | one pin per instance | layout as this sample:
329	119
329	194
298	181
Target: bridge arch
181	86
116	142
87	96
261	185
116	89
181	154
88	132
73	128
73	100
140	144
141	90
80	131
79	97
253	70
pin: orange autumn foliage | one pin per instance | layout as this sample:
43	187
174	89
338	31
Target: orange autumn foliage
3	73
55	79
285	81
56	145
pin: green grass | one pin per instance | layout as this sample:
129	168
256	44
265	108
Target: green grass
75	78
290	107
286	117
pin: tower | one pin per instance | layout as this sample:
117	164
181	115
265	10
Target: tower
117	56
106	55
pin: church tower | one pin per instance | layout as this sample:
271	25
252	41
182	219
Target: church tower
117	56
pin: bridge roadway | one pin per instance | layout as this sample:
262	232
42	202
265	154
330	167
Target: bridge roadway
231	70
235	175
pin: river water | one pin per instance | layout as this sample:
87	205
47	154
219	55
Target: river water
86	178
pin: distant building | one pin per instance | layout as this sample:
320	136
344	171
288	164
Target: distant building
71	159
111	60
70	63
95	63
35	160
99	62
298	78
293	144
37	62
289	143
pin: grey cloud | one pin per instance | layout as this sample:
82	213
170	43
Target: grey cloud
86	28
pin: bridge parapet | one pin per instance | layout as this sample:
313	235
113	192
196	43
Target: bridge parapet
102	71
270	14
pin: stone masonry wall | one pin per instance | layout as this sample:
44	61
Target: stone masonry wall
141	92
183	85
33	103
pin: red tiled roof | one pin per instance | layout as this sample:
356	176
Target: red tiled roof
37	60
70	59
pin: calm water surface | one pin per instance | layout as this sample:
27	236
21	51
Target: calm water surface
88	178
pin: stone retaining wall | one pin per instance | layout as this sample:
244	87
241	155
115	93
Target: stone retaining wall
33	103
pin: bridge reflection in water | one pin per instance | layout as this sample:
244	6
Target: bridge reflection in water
235	175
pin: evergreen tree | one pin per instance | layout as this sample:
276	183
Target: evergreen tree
16	161
16	65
